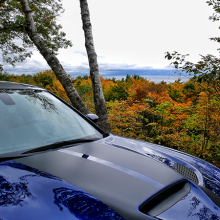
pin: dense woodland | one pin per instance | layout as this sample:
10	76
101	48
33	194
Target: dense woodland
183	116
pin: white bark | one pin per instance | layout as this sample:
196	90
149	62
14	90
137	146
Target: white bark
52	60
99	99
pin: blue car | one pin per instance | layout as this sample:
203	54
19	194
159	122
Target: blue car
56	163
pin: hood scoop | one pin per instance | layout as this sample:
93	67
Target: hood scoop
165	198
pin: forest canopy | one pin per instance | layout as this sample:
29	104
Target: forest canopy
181	115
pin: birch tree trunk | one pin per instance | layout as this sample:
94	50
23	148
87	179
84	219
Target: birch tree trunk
99	99
52	60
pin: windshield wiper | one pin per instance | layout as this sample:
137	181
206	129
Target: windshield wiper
60	144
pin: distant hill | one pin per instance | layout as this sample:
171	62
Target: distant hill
124	72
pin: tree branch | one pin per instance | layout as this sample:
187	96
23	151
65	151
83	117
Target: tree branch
52	60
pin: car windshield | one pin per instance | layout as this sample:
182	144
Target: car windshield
30	119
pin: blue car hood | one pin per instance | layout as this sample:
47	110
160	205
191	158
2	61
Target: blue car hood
27	193
208	175
124	174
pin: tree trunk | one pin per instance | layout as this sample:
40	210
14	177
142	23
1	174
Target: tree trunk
52	60
99	99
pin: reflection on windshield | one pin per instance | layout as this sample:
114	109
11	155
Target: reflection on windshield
36	97
6	99
36	119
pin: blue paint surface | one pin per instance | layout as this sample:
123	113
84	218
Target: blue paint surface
27	193
82	205
194	206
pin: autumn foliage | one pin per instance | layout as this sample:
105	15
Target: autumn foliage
182	116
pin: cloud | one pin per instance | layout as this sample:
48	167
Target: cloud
106	70
78	65
81	52
32	66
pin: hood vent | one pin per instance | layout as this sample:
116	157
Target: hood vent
186	172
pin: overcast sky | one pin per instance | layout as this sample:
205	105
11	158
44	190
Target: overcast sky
132	35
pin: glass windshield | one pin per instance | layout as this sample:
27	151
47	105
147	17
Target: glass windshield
31	119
